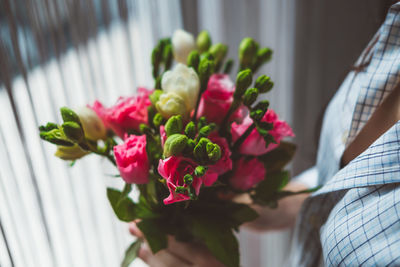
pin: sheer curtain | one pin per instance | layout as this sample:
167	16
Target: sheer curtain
66	53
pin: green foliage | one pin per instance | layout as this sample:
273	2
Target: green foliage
267	190
122	205
154	233
277	159
131	253
219	239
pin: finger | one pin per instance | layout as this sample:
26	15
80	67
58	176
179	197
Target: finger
162	258
134	230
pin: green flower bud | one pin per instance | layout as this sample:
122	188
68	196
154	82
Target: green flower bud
202	122
190	130
219	52
73	131
250	96
157	120
174	125
156	58
200	150
155	96
181	190
144	128
175	145
264	55
213	152
56	137
247	52
243	81
189	147
200	171
206	69
48	127
193	59
70	152
205	131
167	56
262	105
206	55
68	114
264	84
188	179
203	41
228	66
257	113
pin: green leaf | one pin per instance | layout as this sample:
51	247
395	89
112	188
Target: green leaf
219	239
277	159
242	213
131	253
154	234
123	207
266	191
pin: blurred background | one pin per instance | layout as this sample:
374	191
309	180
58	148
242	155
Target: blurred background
70	52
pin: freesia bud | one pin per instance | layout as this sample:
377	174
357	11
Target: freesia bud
264	84
68	114
203	41
157	120
181	190
213	152
56	137
206	69
219	52
184	82
190	129
175	145
247	52
200	150
155	96
200	171
250	96
202	122
205	131
257	113
167	56
193	59
182	44
156	58
188	179
73	131
48	127
171	104
174	125
243	81
264	55
92	125
70	152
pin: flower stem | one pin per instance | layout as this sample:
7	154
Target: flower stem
197	106
225	121
243	136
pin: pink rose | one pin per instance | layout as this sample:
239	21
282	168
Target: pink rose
247	173
254	143
127	114
132	161
173	169
224	164
217	99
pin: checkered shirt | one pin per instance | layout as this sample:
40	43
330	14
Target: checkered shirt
354	219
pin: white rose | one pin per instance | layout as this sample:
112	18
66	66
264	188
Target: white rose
184	82
170	104
182	44
92	125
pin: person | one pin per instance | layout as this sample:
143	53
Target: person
354	218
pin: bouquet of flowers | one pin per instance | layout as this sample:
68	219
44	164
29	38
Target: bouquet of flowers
190	146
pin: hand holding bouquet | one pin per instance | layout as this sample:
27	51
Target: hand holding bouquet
190	145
